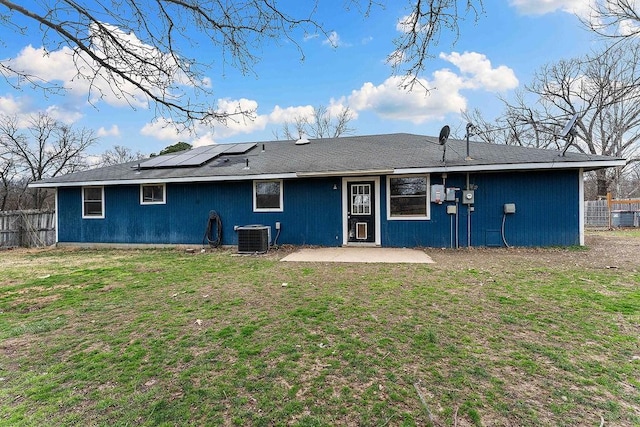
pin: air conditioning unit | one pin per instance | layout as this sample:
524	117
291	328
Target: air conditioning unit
253	239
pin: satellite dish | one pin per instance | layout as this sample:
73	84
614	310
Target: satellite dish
444	134
568	128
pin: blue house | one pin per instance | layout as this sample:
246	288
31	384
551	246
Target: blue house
397	190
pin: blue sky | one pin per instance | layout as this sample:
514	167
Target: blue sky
493	57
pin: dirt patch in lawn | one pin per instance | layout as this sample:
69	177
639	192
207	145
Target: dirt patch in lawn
601	251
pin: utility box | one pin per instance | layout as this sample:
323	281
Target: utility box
509	208
451	194
452	209
437	193
468	197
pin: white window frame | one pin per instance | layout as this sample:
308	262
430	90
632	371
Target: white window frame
255	198
164	194
84	214
427	215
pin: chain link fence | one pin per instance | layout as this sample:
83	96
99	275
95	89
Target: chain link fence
602	213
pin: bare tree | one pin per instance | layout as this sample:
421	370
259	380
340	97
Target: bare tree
422	28
320	124
119	154
138	50
617	19
44	148
602	89
7	182
520	124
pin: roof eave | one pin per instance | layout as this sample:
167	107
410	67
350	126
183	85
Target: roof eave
502	167
505	167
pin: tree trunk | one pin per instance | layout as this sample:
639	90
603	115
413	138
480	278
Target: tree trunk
602	183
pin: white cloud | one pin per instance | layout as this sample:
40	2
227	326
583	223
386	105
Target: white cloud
541	7
206	139
58	66
207	83
201	134
430	99
11	106
337	107
113	131
281	115
73	71
163	129
333	40
433	99
409	23
480	72
22	109
63	115
308	36
628	27
390	101
237	123
48	66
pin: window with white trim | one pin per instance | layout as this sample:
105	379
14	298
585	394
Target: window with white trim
92	202
267	196
408	197
152	194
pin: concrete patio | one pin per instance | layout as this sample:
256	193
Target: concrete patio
360	254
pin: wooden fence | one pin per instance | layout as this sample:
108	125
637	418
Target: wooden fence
28	229
597	213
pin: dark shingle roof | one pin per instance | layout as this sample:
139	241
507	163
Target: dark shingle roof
346	155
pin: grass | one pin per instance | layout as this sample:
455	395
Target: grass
623	232
162	337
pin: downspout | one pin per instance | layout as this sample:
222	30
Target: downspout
55	215
469	208
468	212
581	207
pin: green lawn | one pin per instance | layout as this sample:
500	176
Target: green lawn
164	337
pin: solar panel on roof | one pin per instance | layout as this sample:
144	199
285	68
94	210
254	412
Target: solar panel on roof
240	148
196	156
196	160
154	162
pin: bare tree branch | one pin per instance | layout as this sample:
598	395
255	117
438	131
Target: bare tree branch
617	19
602	88
138	50
320	124
422	28
44	149
119	154
119	50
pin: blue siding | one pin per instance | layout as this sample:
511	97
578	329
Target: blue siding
547	208
312	214
547	213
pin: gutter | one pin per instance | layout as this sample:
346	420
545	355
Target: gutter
585	165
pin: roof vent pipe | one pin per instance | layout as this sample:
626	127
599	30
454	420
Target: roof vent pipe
469	127
246	164
302	140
